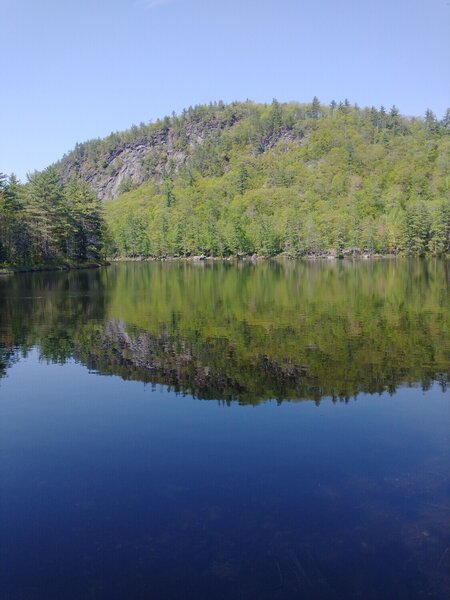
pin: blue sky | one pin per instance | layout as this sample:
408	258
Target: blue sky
77	69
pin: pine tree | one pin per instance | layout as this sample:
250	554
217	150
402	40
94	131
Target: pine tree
3	251
16	228
84	220
431	121
393	121
44	209
440	229
416	228
243	177
446	120
276	116
315	108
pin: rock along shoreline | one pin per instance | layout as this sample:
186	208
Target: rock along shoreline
252	258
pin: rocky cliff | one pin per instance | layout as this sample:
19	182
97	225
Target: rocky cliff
156	151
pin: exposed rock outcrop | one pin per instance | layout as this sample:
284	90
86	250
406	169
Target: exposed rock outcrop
125	160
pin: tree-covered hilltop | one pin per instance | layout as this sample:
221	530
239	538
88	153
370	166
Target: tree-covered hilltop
281	178
45	221
235	179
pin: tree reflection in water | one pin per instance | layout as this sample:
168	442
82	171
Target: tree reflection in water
284	330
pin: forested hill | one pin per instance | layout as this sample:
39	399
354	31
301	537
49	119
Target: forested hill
280	178
244	178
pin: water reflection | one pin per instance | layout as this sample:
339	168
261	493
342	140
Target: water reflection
111	489
241	332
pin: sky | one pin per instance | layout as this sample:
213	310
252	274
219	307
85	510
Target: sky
73	70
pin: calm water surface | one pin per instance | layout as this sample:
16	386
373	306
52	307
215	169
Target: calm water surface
270	431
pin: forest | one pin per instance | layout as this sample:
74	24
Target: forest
298	180
47	221
231	180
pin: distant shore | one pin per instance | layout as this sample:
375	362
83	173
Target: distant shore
251	258
257	257
13	269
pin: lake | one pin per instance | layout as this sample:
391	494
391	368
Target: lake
226	431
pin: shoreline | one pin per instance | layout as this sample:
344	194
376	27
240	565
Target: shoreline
278	257
13	270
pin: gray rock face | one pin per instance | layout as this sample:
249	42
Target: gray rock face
129	164
128	168
124	161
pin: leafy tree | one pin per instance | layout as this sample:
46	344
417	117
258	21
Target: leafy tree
126	185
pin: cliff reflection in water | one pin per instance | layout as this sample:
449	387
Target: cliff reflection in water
240	332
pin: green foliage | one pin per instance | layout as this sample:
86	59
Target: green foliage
14	232
47	221
288	178
126	185
280	329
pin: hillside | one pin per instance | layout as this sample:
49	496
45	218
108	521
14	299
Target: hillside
244	178
155	151
280	178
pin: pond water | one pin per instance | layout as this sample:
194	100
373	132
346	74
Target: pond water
226	431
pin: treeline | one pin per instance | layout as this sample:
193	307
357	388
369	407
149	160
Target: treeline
243	178
46	221
286	178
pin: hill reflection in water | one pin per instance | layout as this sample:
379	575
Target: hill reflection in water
284	330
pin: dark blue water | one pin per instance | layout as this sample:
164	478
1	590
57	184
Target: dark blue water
113	489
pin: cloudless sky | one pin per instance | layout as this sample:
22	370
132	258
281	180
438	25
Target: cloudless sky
72	70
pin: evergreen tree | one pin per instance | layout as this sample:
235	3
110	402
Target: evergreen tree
46	213
46	220
276	116
430	121
446	120
243	177
416	228
440	229
394	119
15	228
84	221
315	109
